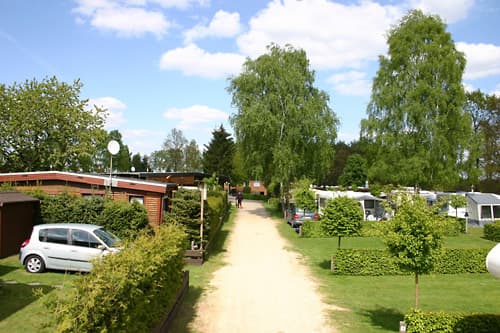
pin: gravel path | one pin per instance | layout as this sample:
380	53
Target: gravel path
264	288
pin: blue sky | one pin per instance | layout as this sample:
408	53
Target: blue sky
163	64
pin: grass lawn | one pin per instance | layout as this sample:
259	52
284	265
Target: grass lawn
377	304
21	310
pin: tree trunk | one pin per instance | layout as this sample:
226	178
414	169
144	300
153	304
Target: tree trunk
416	290
338	246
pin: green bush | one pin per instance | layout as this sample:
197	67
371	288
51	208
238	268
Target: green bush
129	291
418	321
379	262
254	196
452	226
124	219
312	229
217	210
492	231
185	210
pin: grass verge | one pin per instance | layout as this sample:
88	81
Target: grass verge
377	304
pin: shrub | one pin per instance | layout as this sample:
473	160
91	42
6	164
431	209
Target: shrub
379	262
423	322
185	210
123	218
342	216
128	291
492	231
312	229
254	196
217	209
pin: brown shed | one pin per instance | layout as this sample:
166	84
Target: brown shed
18	213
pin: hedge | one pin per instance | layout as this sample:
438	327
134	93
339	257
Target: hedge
418	321
312	229
492	231
379	262
129	291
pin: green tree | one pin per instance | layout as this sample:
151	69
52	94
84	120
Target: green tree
354	172
44	125
283	125
341	217
238	174
192	157
218	154
140	164
414	237
303	196
457	201
177	154
417	126
121	161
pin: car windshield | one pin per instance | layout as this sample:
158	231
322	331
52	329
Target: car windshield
108	238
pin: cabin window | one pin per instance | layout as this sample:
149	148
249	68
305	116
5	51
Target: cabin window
496	212
137	198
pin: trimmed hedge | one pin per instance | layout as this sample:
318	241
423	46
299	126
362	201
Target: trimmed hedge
254	196
123	218
418	321
379	262
312	229
492	231
129	291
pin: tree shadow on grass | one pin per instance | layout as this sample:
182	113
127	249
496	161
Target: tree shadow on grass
385	318
187	311
14	297
4	269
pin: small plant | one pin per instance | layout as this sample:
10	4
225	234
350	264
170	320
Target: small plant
342	216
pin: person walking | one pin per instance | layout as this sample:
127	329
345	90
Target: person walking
239	198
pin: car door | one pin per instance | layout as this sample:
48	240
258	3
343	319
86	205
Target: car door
55	247
84	248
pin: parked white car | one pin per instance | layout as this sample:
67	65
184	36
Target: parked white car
493	261
66	246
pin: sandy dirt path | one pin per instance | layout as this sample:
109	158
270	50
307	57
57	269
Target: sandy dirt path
264	288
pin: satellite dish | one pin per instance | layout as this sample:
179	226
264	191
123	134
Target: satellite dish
113	147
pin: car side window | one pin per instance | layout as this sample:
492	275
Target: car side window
54	235
84	239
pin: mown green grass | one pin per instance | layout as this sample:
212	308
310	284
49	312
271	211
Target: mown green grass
22	296
377	304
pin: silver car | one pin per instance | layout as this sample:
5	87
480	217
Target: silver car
66	246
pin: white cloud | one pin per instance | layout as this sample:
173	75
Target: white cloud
143	141
120	18
450	10
334	35
468	87
223	24
180	4
114	107
482	59
195	115
192	60
352	83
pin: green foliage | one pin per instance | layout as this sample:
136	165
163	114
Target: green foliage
417	129
457	201
254	196
312	229
247	190
414	235
177	154
424	322
128	291
342	216
492	231
284	126
217	212
379	262
304	198
121	161
218	154
58	131
355	171
124	219
62	208
185	210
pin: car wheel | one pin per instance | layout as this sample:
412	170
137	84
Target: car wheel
34	264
